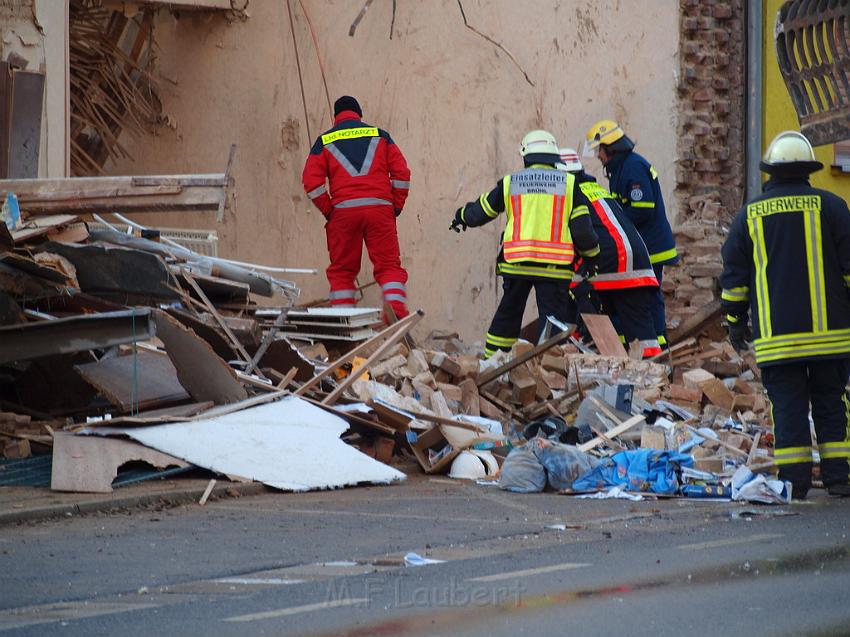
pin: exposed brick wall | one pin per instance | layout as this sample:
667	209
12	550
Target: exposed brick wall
710	172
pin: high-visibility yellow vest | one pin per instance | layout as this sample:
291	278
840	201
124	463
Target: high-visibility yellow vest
538	203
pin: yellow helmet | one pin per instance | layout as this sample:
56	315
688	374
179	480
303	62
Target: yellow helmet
605	131
538	142
790	151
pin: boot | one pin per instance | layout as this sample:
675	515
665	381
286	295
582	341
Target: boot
841	490
799	491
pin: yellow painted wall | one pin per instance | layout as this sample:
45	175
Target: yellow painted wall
778	111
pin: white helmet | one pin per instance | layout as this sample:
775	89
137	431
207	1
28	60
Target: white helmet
538	142
569	160
473	465
790	151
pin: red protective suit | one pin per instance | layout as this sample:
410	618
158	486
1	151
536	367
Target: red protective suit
358	178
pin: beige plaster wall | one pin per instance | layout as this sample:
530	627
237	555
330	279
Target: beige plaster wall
456	105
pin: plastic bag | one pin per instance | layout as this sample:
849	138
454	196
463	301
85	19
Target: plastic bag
563	463
522	472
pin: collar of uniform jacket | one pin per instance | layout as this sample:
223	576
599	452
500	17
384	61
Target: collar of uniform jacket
344	115
776	181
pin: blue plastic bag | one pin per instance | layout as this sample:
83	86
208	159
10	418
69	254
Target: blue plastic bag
649	470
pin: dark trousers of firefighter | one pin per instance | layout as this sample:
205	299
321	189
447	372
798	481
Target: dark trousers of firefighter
632	312
792	388
347	230
658	317
552	299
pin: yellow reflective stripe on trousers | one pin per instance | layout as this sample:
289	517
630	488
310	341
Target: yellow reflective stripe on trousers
847	280
834	449
756	229
736	295
792	455
502	341
530	270
658	257
814	261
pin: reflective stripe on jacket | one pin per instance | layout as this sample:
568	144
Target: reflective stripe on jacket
634	182
624	259
787	258
354	164
559	212
538	205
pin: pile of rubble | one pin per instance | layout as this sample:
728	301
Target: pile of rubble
120	346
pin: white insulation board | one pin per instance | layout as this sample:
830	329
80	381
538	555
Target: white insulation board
288	444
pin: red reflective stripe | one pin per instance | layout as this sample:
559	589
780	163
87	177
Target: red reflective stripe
557	218
613	233
516	204
539	254
625	283
542	244
649	352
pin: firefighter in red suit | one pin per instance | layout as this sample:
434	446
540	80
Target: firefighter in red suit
359	179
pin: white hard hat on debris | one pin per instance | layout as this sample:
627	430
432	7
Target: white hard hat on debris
474	465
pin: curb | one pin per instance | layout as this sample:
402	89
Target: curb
126	502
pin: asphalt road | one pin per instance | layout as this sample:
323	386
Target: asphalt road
332	564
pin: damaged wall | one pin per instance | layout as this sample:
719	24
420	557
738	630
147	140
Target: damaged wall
456	104
711	173
34	37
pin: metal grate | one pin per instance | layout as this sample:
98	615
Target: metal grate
203	242
813	50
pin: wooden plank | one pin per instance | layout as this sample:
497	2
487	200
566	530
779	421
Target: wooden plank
604	335
221	5
376	356
222	323
142	381
90	463
59	184
204	375
5	117
25	123
612	433
489	375
695	323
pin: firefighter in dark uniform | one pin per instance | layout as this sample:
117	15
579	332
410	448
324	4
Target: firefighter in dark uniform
624	280
787	257
547	226
634	182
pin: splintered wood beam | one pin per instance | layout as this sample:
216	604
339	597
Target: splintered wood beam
365	346
486	377
222	323
378	355
200	5
613	433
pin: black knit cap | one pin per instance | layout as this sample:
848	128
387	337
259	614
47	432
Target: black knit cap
347	103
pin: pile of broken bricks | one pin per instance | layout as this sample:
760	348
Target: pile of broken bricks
120	337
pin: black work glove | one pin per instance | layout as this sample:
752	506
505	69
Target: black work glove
589	267
397	211
739	333
458	223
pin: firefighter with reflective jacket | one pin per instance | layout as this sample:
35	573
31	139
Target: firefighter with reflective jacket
634	182
625	281
547	226
787	258
358	178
